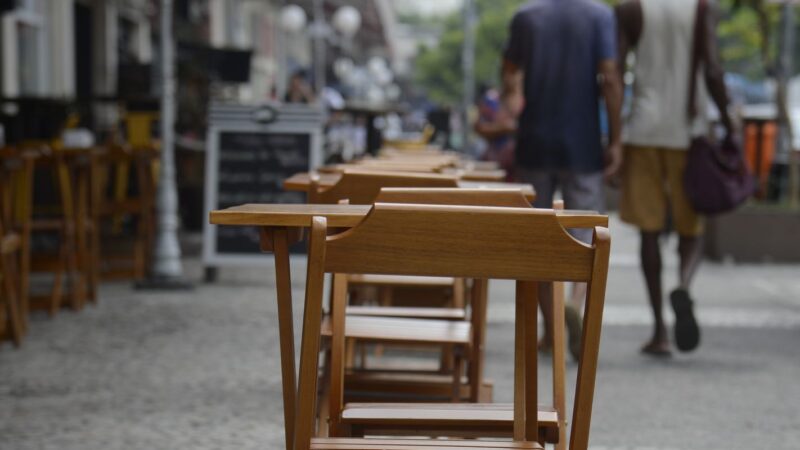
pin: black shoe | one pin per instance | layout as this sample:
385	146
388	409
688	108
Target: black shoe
687	333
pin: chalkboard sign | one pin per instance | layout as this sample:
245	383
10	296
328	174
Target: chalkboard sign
247	162
252	167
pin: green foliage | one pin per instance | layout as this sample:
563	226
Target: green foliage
747	36
439	70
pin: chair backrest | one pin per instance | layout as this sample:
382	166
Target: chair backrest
511	198
526	245
362	187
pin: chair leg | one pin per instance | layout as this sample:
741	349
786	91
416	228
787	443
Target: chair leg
458	369
350	353
57	292
12	311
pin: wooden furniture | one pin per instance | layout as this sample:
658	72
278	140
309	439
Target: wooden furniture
454	337
55	215
424	240
302	181
123	253
282	225
497	175
11	319
362	187
466	197
16	176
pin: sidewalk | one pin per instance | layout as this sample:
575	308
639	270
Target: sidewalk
199	370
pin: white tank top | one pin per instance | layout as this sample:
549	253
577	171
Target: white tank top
658	114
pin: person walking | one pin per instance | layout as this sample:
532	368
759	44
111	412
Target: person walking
566	52
658	132
497	124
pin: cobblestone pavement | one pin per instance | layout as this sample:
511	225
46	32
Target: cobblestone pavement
199	370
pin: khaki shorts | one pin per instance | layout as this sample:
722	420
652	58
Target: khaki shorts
652	185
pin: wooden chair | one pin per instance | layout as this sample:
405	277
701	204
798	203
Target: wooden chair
16	175
511	198
424	240
362	187
117	254
55	214
11	320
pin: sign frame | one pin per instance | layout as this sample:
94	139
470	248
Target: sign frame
212	258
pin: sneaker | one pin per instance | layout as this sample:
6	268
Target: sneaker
687	332
574	330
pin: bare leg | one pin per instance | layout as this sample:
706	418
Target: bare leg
651	266
690	251
572	315
578	295
546	305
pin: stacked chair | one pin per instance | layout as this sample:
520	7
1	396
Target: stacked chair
442	326
446	328
123	199
13	317
462	242
59	210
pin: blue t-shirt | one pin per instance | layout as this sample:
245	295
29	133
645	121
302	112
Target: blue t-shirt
559	45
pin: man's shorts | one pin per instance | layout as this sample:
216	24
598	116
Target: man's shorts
652	185
580	191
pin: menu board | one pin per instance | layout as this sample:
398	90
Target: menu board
252	167
251	151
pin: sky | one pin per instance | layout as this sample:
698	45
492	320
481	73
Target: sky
427	6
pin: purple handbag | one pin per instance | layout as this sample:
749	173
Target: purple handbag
716	179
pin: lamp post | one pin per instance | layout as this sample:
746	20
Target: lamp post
167	269
346	21
468	67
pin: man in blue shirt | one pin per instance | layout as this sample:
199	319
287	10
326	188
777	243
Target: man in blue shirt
566	51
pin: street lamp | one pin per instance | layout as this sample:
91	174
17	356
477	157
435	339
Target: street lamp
293	19
167	270
346	21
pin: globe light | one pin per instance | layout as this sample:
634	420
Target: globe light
393	92
377	66
293	19
385	76
343	68
347	20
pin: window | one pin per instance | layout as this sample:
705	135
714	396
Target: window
24	50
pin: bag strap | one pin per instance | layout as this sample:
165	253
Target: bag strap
698	46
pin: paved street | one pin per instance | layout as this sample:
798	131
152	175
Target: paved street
200	369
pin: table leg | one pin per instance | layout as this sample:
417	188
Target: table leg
278	240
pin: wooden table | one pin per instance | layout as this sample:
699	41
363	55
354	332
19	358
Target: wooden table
282	225
301	181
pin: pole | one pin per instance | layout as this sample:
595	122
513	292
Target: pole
788	133
318	33
468	67
785	137
167	270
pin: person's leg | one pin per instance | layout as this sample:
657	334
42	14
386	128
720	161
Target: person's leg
689	226
643	203
690	250
544	183
650	252
582	191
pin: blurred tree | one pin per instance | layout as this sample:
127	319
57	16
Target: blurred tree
438	70
746	33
